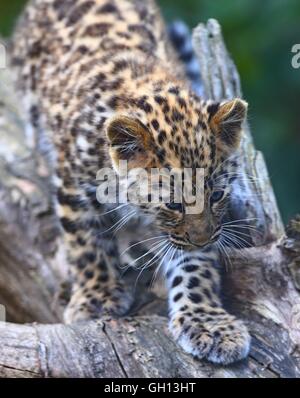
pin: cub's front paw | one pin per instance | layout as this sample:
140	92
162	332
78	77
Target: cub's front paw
92	304
220	338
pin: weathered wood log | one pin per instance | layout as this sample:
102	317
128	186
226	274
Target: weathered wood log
27	228
141	347
258	285
261	291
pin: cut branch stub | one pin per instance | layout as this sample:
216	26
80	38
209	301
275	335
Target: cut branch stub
253	198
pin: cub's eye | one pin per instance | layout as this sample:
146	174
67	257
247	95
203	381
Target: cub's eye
216	196
174	206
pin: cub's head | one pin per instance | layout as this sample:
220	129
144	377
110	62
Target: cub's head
175	130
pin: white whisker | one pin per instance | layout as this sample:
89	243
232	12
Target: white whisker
143	241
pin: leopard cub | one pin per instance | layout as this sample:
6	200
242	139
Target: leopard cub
100	83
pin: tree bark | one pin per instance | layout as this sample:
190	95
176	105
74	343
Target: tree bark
261	285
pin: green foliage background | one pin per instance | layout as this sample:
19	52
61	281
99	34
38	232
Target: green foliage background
259	35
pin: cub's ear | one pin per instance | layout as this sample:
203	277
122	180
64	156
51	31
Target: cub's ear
130	140
226	119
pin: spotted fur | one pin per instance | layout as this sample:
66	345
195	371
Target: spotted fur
101	82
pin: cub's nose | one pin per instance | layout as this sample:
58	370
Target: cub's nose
204	238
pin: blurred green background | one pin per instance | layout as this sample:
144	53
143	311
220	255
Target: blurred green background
259	35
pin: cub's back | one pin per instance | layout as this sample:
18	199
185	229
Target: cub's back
67	54
64	40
